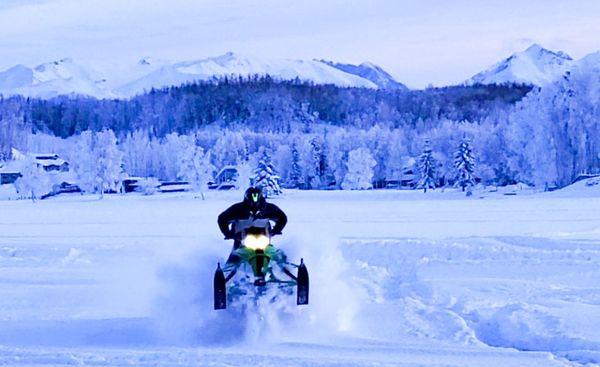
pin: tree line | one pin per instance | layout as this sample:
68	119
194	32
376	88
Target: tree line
326	136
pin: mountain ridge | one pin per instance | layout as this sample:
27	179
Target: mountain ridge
69	77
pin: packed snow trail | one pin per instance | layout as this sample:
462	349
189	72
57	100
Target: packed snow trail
413	280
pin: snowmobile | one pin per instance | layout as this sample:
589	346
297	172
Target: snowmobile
259	264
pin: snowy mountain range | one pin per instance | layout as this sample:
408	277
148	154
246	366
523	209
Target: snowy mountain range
67	76
536	65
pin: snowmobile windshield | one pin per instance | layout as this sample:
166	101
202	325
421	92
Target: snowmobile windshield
255	233
253	225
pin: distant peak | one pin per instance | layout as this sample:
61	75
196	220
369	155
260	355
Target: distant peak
228	56
370	65
537	49
145	61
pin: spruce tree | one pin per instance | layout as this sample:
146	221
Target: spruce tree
427	168
318	164
266	177
295	171
464	163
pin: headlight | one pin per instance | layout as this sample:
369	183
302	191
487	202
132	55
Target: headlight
256	241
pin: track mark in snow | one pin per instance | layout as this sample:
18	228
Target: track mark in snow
464	291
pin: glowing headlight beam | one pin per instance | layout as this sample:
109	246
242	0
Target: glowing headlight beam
256	242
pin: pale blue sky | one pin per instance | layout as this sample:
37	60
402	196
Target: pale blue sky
419	42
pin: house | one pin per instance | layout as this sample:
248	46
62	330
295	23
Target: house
55	167
226	179
408	177
50	162
131	184
9	173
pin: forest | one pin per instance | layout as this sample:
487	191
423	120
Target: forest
321	136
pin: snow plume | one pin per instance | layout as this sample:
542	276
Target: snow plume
184	312
333	304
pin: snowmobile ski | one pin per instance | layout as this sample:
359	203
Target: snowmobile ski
220	293
302	279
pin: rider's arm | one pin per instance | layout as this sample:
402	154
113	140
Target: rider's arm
225	219
280	219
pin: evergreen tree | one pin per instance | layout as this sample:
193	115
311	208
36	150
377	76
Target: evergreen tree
296	170
265	176
360	170
318	164
464	164
427	168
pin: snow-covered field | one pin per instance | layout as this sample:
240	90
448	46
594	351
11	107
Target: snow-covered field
398	279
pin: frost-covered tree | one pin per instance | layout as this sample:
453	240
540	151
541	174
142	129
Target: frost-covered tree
464	165
108	162
317	164
377	141
427	168
339	143
11	134
34	183
137	153
245	174
148	186
295	170
84	162
360	170
265	176
196	167
396	156
283	161
228	149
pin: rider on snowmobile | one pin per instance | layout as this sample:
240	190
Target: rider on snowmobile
254	206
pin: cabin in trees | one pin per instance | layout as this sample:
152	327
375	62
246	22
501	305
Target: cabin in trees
226	179
50	162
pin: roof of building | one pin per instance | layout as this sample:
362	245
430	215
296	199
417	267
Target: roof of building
43	159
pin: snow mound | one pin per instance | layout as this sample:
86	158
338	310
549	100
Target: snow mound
589	187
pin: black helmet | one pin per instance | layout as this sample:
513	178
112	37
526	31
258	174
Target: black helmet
254	196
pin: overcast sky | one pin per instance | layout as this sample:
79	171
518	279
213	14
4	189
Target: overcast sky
418	42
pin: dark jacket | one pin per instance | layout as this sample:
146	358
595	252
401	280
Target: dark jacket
243	210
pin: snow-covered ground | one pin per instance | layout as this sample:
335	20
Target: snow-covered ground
398	279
